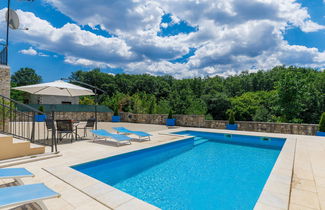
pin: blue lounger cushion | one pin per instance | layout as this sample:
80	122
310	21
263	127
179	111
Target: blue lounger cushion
12	173
107	134
125	130
23	194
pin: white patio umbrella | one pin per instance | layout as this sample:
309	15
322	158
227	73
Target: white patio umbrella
56	88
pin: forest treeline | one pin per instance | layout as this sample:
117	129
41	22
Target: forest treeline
282	94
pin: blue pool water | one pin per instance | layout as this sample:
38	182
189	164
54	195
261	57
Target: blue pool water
209	171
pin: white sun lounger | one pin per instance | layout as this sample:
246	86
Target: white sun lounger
24	194
107	135
141	134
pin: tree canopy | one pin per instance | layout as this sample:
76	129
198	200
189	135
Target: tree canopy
22	77
25	76
282	94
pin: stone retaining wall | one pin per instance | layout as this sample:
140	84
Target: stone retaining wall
5	80
78	116
83	116
5	91
199	121
193	121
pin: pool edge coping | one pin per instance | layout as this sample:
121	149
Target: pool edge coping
270	197
277	189
110	196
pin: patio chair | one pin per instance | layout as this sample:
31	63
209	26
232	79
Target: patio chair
107	135
64	127
89	125
24	194
49	126
15	173
142	135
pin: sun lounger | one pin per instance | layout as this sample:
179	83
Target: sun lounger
15	173
107	135
23	194
140	134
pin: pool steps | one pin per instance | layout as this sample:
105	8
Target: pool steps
199	140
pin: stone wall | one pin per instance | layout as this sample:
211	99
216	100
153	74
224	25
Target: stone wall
289	128
199	121
83	116
5	91
193	121
5	80
77	116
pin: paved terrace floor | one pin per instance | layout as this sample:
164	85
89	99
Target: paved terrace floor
307	187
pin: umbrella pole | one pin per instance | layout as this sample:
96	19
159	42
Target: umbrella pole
96	100
96	117
54	142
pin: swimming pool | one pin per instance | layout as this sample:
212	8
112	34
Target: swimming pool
207	171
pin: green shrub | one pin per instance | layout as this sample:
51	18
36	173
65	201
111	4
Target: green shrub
322	123
231	115
87	100
116	111
208	117
170	114
41	109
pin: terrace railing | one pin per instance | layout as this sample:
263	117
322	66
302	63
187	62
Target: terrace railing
23	125
67	108
3	55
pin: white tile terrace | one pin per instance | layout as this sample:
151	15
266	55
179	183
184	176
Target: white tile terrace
297	180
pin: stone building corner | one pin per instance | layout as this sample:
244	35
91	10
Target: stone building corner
5	80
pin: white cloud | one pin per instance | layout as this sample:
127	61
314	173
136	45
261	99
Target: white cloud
43	54
85	62
29	51
310	26
164	25
232	35
33	52
115	15
70	40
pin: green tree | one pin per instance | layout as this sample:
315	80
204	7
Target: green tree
163	107
137	104
196	106
22	77
152	106
25	76
295	90
254	104
282	94
87	100
217	105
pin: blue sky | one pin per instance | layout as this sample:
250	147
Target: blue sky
182	38
316	9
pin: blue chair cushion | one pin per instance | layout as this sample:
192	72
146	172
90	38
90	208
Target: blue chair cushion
23	194
107	134
6	173
125	130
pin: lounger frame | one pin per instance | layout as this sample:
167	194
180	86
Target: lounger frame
140	138
97	137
